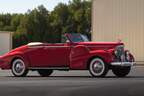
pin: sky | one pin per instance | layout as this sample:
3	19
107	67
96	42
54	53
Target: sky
21	6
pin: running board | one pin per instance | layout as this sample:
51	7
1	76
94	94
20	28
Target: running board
53	68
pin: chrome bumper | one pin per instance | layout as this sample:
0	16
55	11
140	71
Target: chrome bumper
123	63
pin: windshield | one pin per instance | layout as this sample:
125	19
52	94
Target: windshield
75	37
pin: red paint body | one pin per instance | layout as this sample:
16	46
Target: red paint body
75	56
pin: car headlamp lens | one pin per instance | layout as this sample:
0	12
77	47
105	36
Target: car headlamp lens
115	52
127	54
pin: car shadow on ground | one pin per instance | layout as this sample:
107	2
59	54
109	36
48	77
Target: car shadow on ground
73	77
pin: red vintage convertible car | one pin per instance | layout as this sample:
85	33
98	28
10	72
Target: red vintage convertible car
75	53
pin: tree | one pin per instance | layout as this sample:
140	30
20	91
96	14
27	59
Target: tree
59	18
74	17
40	25
81	14
15	21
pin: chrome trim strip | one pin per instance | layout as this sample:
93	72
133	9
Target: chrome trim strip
49	46
95	46
35	46
56	46
123	63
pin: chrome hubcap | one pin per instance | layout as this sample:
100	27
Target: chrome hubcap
97	67
19	67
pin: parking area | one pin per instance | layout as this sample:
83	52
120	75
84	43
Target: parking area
77	83
135	71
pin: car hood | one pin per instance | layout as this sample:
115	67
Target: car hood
101	45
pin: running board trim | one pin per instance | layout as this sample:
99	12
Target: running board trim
54	68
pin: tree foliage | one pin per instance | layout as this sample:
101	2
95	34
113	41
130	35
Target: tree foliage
40	25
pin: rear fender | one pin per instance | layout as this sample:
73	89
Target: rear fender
20	56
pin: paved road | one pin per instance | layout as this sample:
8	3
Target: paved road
74	83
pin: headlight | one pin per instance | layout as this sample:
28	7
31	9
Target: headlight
127	52
115	52
127	55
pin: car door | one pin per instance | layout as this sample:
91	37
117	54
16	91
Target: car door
37	56
58	55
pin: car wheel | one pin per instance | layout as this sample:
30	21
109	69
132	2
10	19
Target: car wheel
45	72
98	68
121	71
18	68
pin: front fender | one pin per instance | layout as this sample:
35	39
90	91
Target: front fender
105	55
132	58
78	57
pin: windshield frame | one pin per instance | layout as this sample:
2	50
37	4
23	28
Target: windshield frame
77	37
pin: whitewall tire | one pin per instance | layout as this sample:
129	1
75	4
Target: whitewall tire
98	68
18	68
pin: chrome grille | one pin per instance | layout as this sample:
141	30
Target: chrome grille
120	53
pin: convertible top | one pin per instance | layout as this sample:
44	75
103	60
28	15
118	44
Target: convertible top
34	43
